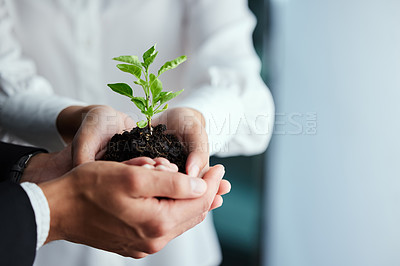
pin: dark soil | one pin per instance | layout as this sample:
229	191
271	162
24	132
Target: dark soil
139	142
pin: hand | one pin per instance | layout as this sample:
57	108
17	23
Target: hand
160	164
98	126
188	125
163	164
117	207
47	166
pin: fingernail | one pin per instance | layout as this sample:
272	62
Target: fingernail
194	171
222	170
161	167
148	166
198	185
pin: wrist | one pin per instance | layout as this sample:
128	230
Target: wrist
61	196
33	168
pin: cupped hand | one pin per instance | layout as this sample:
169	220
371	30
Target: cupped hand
159	163
100	123
117	207
188	125
47	166
162	164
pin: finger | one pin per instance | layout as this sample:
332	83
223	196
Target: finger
184	214
100	154
150	183
196	141
84	149
224	187
164	164
161	160
168	168
128	121
174	167
184	210
97	128
148	166
139	161
218	200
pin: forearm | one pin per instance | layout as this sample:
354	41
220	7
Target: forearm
28	106
226	86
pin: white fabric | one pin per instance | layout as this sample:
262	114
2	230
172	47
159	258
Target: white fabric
65	47
41	209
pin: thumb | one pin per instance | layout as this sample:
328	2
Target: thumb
173	185
197	163
84	148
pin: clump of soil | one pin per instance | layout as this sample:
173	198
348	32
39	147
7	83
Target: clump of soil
139	142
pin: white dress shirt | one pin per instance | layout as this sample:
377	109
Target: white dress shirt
57	53
41	209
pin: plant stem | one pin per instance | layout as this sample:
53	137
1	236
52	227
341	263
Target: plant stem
147	89
147	92
149	125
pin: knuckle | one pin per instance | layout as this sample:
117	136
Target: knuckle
138	255
157	229
153	246
178	185
161	160
135	182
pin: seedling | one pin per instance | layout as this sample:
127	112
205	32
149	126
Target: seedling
155	98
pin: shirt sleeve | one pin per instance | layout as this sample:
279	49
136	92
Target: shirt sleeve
41	209
225	72
28	106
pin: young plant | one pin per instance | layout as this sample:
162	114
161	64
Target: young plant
155	97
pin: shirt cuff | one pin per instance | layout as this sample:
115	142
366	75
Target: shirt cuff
34	120
41	209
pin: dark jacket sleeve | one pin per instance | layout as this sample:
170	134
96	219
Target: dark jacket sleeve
10	155
17	226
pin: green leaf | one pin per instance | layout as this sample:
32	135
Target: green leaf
149	111
133	69
140	103
141	124
130	59
162	110
149	52
150	60
122	89
140	82
149	56
169	96
162	94
155	86
172	64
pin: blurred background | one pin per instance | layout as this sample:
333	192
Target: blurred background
327	191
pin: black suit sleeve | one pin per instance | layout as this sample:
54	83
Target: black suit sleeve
10	154
17	226
17	219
